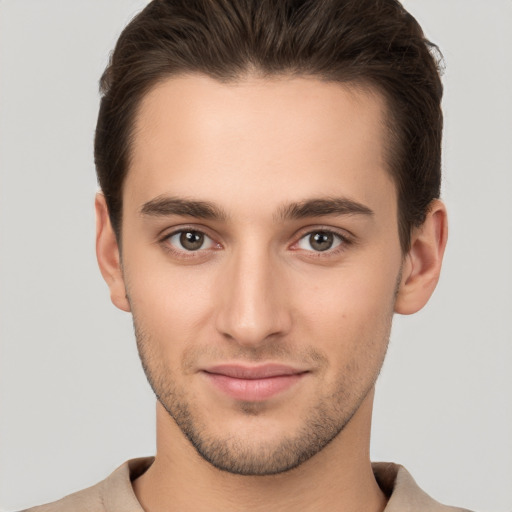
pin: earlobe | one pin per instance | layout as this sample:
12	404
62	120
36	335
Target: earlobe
422	264
107	253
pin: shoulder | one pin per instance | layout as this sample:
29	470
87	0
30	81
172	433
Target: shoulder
89	499
403	491
114	494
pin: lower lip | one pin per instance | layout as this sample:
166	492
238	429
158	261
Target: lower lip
253	390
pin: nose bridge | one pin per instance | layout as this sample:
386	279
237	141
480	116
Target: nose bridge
250	310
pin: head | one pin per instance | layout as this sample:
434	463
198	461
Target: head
269	174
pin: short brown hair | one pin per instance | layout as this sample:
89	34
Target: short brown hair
374	43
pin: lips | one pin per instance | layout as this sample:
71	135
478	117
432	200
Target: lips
253	383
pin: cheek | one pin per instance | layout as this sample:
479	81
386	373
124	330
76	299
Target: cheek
170	304
350	312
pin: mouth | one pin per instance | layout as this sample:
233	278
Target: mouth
253	383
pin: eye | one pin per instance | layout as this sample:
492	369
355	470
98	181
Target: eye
320	241
190	240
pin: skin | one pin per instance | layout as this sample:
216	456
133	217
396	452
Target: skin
259	291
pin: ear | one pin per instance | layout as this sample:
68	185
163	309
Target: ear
422	264
108	255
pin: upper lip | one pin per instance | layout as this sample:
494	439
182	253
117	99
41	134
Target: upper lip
238	371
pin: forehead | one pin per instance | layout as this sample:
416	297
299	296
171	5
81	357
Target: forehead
280	138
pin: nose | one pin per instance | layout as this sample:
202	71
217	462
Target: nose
252	307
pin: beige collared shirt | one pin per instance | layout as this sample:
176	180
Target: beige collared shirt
115	493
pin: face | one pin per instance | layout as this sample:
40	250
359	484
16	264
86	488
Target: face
260	257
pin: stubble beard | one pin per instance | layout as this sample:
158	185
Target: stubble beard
324	422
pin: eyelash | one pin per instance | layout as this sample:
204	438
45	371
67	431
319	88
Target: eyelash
344	242
183	253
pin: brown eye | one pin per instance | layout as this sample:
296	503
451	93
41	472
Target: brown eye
190	240
320	241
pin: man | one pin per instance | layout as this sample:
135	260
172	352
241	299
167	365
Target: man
270	177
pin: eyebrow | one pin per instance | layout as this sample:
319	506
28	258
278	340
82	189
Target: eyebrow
322	207
163	206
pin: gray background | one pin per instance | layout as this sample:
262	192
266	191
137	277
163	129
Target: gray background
74	401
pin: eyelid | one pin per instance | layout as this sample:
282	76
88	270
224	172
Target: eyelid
206	240
166	234
345	237
308	230
337	241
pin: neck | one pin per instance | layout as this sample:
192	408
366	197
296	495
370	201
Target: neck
339	477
